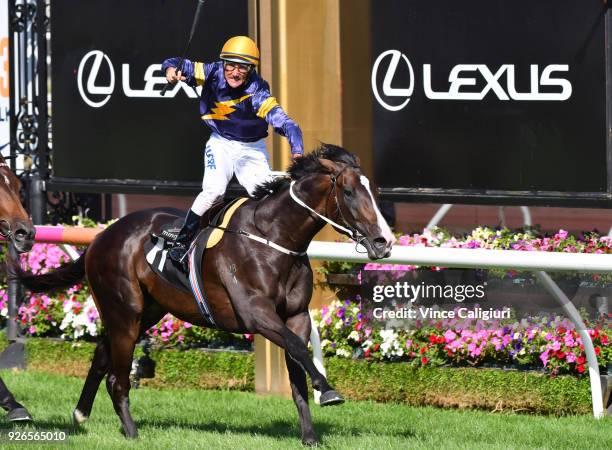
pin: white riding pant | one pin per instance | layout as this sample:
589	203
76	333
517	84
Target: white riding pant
224	158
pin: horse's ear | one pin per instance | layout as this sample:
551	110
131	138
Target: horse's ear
357	161
331	166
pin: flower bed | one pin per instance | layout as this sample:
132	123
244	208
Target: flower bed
551	345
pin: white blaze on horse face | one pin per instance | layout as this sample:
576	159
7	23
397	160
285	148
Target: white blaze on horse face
382	223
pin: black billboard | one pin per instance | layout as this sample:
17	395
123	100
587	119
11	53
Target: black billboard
492	101
112	130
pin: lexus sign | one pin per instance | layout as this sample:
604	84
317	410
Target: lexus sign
490	99
544	86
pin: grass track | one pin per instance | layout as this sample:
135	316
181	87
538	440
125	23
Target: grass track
189	419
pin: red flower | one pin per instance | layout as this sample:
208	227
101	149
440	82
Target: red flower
433	338
560	354
366	354
450	352
561	330
581	360
424	360
422	350
441	340
597	351
376	347
580	368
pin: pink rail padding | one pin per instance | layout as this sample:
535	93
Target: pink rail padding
66	235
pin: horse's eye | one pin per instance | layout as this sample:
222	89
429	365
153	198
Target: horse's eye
348	192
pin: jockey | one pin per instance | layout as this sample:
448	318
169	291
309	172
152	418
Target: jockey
237	106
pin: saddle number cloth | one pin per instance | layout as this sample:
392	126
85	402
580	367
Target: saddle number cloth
156	251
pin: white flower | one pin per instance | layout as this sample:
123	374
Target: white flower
354	336
343	353
338	325
325	343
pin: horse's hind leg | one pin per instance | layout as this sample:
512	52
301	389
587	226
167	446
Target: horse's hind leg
99	368
300	325
122	343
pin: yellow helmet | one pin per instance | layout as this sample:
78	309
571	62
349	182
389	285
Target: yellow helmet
240	49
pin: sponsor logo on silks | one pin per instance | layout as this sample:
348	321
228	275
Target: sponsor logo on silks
210	159
96	95
463	78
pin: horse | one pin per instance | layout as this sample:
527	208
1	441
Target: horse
260	285
17	229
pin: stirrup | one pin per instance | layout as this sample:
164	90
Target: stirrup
177	253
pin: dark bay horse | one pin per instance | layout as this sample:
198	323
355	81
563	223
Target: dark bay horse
17	228
252	287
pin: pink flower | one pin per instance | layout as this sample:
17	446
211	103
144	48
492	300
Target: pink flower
450	335
544	357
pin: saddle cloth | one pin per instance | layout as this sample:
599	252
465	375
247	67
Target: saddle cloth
188	278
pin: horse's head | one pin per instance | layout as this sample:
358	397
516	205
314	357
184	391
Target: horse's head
15	224
352	204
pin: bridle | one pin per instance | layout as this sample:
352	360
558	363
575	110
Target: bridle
347	228
8	235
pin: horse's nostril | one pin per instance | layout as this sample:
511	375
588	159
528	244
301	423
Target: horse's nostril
380	242
22	234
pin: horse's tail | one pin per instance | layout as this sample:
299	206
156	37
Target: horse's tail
63	277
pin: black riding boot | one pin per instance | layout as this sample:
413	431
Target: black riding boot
181	244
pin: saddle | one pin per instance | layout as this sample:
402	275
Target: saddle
188	277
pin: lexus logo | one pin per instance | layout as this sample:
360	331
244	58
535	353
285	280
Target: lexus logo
388	91
91	88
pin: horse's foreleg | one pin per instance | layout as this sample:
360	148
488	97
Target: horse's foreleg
270	326
300	325
99	368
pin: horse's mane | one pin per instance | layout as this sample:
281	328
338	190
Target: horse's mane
306	165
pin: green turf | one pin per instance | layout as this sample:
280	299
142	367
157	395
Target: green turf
174	418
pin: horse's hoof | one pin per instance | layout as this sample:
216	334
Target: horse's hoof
310	442
131	435
78	418
330	397
19	414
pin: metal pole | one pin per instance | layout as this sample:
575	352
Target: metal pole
37	200
589	350
13	299
317	355
439	215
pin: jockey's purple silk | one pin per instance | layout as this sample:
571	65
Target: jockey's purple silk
241	114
